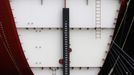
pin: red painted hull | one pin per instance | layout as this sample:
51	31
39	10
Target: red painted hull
12	58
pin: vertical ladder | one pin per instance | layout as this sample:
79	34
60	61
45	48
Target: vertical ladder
98	19
66	57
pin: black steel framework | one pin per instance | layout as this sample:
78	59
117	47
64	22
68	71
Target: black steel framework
120	59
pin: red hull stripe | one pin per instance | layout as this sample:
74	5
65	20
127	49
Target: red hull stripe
12	58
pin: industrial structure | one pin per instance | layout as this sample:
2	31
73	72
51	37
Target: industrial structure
66	37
